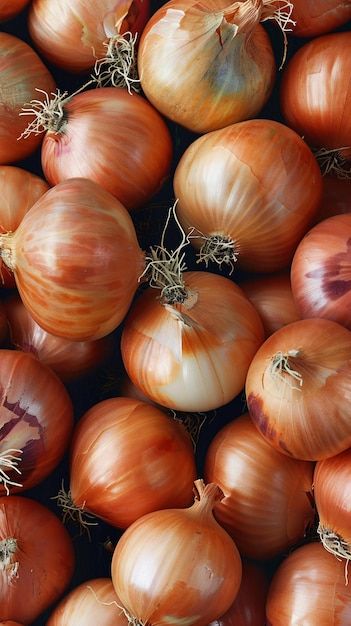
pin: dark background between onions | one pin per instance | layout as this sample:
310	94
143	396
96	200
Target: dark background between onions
92	556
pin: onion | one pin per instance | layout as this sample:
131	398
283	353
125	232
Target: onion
273	298
36	558
10	9
298	389
21	72
333	497
316	17
192	352
267	505
336	197
320	271
104	135
177	565
248	193
309	588
34	436
249	606
19	190
83	28
67	255
128	458
91	602
315	99
69	360
208	65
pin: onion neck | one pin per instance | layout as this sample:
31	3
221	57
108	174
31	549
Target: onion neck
206	497
283	368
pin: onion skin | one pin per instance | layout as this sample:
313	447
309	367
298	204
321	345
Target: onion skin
177	566
333	501
67	256
82	27
317	17
309	588
255	182
107	134
8	10
192	356
308	421
22	72
44	555
223	59
268	503
321	271
315	93
128	458
94	601
29	423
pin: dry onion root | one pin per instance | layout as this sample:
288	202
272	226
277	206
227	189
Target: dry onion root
119	67
9	460
71	512
336	545
334	162
280	368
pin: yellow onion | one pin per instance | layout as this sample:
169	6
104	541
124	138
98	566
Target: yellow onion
177	566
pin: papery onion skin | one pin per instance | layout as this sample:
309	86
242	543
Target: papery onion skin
309	419
43	559
268	504
106	135
205	66
192	356
332	493
309	588
19	190
317	17
69	360
67	255
128	458
315	94
82	27
256	183
272	296
36	420
94	601
321	271
177	566
10	9
22	72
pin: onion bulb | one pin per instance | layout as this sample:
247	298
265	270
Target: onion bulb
247	193
208	65
8	10
321	271
317	17
298	389
309	588
36	421
177	565
268	503
128	458
36	558
333	501
67	254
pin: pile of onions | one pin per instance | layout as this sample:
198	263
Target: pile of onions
67	256
188	346
83	28
36	421
128	458
177	565
19	190
309	588
248	193
298	388
315	98
208	65
333	499
70	360
104	135
36	558
273	298
316	17
22	72
90	603
268	504
320	271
